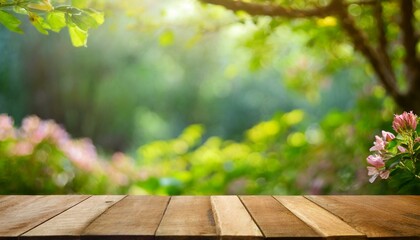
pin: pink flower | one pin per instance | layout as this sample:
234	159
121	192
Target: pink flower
376	160
6	127
379	144
405	122
384	174
374	172
387	136
36	131
82	153
22	148
377	168
30	124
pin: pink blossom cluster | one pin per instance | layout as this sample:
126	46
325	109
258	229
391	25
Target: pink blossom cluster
23	141
34	131
378	158
405	125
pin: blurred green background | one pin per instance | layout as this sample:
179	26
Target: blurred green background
200	101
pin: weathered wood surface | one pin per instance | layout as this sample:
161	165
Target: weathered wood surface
376	216
188	218
275	220
233	220
19	214
134	217
71	223
322	221
209	217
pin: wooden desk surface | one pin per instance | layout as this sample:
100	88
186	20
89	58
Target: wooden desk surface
209	217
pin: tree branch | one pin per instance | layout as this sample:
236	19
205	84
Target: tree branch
361	43
378	58
258	9
409	42
382	40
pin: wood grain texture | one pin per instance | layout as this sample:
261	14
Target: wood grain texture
376	216
134	217
188	217
322	221
233	220
71	223
276	221
408	206
19	214
216	217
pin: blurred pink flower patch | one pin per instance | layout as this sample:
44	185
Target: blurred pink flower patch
6	127
82	153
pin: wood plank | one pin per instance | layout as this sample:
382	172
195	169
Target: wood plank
19	214
71	223
233	220
408	206
382	220
8	203
134	217
188	217
322	221
276	221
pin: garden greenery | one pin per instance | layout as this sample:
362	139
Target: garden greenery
46	15
292	152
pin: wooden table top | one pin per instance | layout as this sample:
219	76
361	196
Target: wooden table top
209	217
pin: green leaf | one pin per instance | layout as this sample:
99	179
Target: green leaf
79	3
84	21
39	23
44	6
56	20
78	36
68	9
392	144
10	21
98	16
394	161
20	10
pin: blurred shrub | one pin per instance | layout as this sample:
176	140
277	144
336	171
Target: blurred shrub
41	158
285	155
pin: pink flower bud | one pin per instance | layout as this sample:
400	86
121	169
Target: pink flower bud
405	122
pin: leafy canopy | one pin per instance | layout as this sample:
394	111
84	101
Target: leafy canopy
46	15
